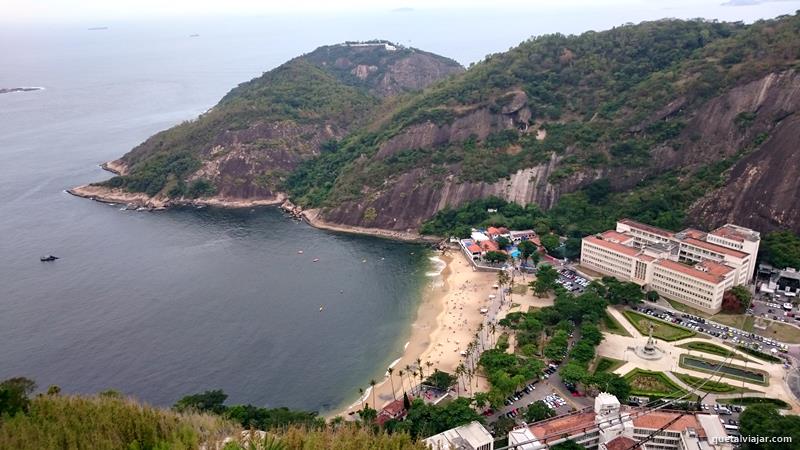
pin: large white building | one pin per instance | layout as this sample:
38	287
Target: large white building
614	427
472	436
691	266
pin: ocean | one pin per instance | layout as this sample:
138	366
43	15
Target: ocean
161	305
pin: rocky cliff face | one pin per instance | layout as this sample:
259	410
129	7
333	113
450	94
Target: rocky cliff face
757	119
246	145
760	119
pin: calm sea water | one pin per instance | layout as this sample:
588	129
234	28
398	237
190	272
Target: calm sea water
160	305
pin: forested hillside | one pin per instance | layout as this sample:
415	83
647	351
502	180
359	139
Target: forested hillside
672	122
657	114
245	146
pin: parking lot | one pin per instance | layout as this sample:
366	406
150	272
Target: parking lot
550	389
572	281
782	312
734	336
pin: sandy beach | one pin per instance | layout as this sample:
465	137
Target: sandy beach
447	320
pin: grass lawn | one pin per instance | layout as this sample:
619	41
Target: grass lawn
708	347
782	332
741	321
745	401
606	364
610	325
760	355
661	330
712	386
653	384
520	289
731	371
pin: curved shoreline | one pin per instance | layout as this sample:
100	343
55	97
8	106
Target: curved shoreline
446	321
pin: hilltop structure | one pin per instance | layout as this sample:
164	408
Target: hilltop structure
692	266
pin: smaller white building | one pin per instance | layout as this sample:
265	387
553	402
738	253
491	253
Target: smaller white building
472	436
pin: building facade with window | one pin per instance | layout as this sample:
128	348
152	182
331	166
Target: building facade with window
611	426
691	266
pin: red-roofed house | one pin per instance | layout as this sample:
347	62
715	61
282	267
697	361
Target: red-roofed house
489	246
394	410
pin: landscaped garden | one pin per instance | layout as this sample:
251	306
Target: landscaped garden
606	364
653	384
713	349
609	324
661	330
712	386
724	369
760	355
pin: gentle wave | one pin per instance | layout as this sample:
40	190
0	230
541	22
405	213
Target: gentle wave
438	266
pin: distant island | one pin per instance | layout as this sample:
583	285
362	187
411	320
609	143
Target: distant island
19	89
97	28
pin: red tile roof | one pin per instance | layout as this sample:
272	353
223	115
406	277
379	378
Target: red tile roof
620	443
619	248
490	246
474	248
613	235
714	247
658	419
694	233
648	228
492	231
550	430
715	273
729	233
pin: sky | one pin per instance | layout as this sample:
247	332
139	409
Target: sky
83	11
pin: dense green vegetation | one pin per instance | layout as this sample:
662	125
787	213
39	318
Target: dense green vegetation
339	437
425	420
660	201
297	91
661	329
736	300
597	95
781	249
764	422
248	416
107	421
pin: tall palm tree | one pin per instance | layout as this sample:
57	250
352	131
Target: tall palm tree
414	373
493	330
361	397
429	364
372	383
391	380
402	385
419	364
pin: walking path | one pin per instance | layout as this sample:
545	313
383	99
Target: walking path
621	348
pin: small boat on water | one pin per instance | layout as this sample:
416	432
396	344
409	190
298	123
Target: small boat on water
316	259
299	252
321	307
48	258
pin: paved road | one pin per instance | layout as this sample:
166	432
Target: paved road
775	311
722	332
